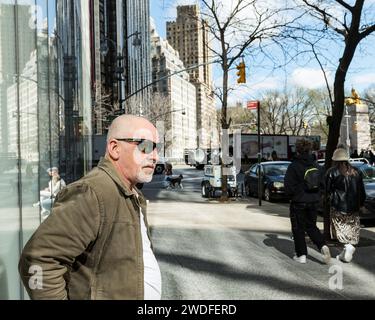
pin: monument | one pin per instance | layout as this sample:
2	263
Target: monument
355	124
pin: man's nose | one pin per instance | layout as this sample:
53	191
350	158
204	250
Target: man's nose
155	155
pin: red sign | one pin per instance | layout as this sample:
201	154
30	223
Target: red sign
253	104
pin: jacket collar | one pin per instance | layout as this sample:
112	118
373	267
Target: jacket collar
106	165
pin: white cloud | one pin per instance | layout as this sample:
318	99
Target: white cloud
267	84
309	78
367	79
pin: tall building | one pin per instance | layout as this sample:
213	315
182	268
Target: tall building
121	63
138	56
189	36
174	97
74	57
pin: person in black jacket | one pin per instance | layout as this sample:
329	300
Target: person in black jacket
346	191
303	181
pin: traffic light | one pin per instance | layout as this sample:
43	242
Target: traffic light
241	72
305	125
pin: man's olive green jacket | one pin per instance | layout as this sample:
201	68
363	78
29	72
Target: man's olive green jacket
90	247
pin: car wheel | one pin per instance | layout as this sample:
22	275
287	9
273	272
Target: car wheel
267	194
204	191
159	169
212	193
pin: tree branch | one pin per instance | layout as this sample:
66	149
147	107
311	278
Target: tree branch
346	5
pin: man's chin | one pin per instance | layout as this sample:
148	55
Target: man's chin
144	177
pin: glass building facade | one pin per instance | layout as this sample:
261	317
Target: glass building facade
121	33
139	70
45	115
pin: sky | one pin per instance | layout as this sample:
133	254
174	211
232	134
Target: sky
261	77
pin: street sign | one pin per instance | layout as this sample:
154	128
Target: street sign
252	105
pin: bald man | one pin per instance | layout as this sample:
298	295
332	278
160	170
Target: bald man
96	242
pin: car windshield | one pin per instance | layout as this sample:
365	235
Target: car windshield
276	169
368	171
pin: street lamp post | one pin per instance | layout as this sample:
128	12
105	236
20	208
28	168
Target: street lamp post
168	112
168	76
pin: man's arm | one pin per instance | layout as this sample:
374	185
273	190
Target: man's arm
64	235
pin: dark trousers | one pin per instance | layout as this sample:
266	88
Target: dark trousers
303	218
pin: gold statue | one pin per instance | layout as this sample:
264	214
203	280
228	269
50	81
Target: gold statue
354	99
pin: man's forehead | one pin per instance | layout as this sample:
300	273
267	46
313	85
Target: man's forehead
145	133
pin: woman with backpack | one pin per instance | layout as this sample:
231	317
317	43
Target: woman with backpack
346	193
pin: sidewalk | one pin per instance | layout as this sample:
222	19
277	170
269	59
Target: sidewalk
249	249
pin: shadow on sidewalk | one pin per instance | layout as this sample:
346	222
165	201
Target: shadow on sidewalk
285	246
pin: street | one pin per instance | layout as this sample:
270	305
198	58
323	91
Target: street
237	250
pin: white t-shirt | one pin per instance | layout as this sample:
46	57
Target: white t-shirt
152	276
55	187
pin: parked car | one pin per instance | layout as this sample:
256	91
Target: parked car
160	165
368	173
351	160
273	174
211	181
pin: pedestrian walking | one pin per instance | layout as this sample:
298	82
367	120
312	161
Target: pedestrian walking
303	181
346	193
96	243
168	175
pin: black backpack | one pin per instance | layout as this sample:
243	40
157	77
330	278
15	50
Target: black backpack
312	179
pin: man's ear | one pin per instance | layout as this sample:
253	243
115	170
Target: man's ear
113	150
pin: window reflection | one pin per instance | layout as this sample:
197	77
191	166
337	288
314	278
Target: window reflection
45	120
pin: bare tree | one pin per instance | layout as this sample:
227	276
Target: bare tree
103	110
285	112
241	118
344	24
321	109
235	28
348	24
274	112
161	108
293	112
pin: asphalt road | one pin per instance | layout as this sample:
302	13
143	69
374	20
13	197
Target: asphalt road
236	250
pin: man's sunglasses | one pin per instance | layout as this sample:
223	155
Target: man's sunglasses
144	145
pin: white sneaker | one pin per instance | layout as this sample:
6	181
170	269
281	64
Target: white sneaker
341	256
349	251
326	254
300	259
36	204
